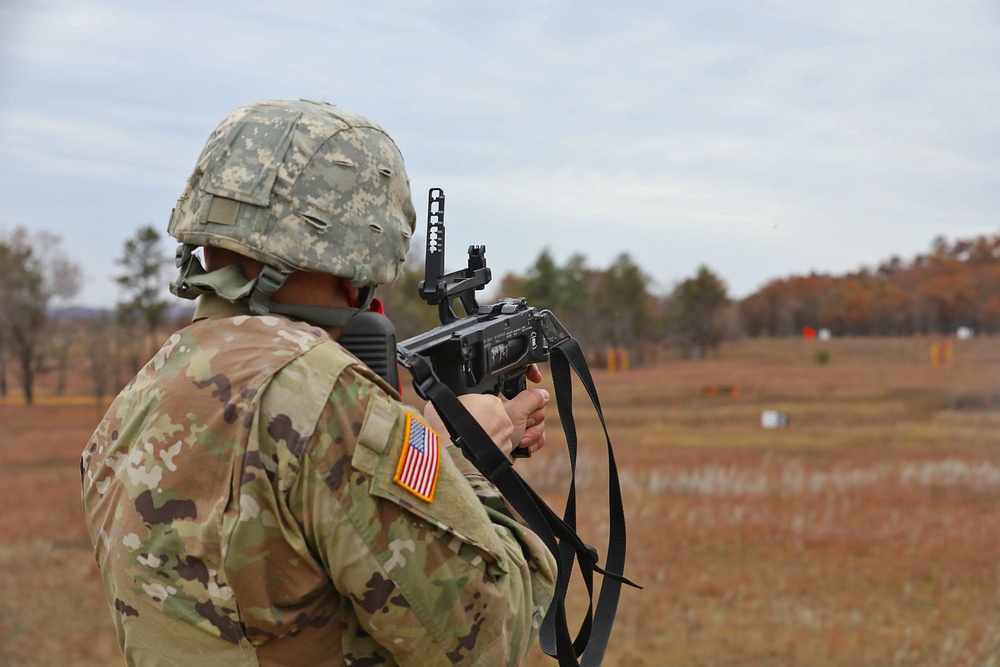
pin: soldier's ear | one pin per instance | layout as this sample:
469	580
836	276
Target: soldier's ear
350	291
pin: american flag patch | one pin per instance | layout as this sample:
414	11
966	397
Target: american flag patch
417	470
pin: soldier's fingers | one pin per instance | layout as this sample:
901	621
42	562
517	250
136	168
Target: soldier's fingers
532	435
533	440
536	417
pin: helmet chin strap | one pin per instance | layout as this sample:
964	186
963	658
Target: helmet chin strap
231	283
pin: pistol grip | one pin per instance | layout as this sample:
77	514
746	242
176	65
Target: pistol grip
515	384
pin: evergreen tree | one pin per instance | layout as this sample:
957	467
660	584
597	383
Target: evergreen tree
622	309
541	284
142	283
696	312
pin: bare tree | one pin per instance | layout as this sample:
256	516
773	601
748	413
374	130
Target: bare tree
62	335
4	251
101	358
33	272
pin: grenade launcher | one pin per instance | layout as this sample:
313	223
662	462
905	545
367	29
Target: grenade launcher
489	349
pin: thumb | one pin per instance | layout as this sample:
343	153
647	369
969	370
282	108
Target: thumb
527	411
526	403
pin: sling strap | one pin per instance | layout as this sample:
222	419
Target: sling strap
558	533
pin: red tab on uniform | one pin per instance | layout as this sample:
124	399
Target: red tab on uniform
417	470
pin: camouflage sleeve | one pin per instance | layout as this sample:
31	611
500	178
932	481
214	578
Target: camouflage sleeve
436	574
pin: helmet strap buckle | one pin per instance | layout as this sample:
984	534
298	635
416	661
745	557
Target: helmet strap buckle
268	282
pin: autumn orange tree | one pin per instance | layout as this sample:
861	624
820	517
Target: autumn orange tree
954	285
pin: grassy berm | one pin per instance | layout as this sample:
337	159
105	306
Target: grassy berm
866	532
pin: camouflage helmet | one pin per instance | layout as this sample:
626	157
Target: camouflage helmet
301	185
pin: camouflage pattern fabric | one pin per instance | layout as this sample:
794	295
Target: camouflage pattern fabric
241	499
301	185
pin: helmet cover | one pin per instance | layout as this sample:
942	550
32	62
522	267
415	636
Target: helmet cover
301	185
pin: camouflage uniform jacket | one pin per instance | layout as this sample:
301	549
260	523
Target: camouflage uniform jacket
245	501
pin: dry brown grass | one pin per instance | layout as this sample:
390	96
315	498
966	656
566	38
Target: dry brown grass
52	611
866	533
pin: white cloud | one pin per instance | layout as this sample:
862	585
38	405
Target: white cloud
760	138
54	145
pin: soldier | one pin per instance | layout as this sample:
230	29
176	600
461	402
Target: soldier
256	495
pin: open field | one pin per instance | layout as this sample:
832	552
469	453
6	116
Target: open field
865	533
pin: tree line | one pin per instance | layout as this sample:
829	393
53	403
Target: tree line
38	332
603	308
955	284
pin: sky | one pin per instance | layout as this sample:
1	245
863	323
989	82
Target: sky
760	138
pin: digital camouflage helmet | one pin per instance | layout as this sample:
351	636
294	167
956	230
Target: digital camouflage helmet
299	186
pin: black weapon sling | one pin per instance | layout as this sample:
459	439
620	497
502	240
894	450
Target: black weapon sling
558	534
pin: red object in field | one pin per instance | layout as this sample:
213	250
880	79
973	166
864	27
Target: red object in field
808	332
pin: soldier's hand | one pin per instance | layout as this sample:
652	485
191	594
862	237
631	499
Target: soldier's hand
519	422
486	409
527	413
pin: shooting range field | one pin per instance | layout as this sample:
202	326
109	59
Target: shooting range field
865	532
